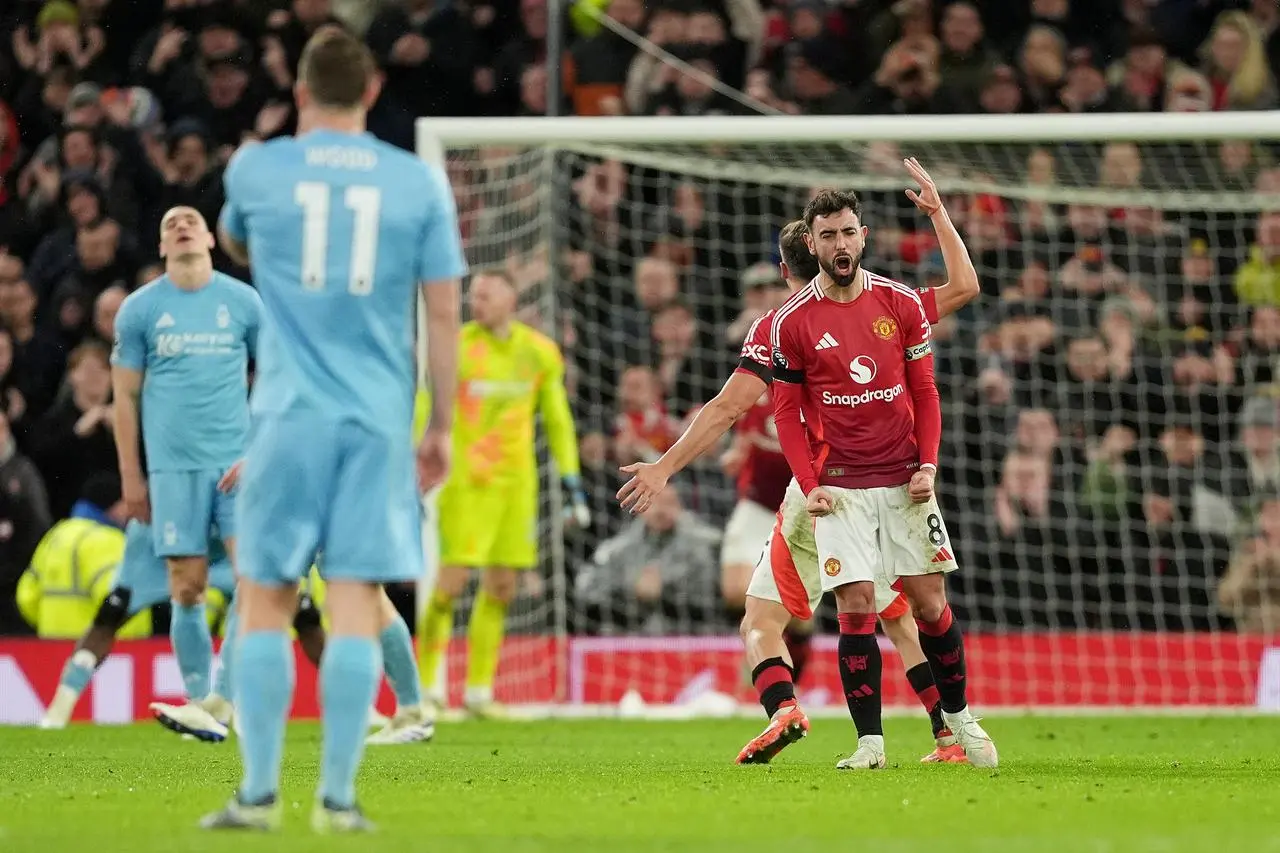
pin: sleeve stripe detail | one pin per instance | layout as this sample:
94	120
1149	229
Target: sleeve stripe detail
797	299
900	288
751	332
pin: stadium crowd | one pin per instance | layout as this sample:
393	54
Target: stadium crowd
1112	442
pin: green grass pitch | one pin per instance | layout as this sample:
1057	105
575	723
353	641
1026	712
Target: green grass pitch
1127	785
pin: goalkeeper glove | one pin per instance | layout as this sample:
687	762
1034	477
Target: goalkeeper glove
576	513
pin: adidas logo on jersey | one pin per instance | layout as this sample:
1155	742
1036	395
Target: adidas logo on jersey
827	341
165	321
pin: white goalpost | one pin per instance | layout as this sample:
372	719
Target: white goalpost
1106	402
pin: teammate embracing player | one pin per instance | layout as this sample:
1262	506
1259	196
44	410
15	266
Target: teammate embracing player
774	649
859	420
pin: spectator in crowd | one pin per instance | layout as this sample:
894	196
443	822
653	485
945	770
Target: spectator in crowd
965	62
657	576
38	356
428	53
1235	61
1250	589
74	440
643	430
72	569
105	309
24	518
1258	281
1254	466
762	290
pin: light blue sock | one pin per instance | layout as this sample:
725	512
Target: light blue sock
78	671
263	685
401	664
193	647
222	681
349	673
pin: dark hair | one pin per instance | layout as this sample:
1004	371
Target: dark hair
89	349
337	68
102	490
829	201
801	263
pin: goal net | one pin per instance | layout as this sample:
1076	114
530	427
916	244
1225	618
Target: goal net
1110	467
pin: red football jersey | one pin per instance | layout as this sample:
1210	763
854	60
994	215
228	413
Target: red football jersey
850	359
929	299
756	356
765	474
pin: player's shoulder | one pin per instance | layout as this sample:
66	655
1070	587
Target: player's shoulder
799	305
408	168
146	295
541	344
893	291
394	156
759	330
231	284
253	157
533	337
242	294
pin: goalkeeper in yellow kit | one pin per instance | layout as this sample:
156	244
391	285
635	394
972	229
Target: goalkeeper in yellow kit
488	507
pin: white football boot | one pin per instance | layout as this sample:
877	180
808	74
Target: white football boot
190	719
868	756
218	707
977	744
409	725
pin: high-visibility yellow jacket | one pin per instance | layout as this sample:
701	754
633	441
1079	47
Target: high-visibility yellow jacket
70	574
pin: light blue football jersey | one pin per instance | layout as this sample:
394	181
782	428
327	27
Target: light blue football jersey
341	229
193	347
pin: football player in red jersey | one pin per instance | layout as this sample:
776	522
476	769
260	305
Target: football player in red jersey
859	420
772	650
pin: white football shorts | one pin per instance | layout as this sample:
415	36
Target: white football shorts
746	529
789	572
878	534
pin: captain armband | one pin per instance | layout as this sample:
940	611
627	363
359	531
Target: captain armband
919	351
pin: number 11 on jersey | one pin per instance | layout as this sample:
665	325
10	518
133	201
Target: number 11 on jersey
365	204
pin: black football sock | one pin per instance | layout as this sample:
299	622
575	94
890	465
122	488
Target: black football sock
943	645
773	681
921	678
860	670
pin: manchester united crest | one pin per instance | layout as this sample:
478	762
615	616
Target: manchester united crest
885	327
831	567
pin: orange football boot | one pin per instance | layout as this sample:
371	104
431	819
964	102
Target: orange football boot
948	750
786	727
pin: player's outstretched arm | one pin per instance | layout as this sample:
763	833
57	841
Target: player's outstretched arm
962	279
713	420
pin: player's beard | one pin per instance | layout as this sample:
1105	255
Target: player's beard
833	266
